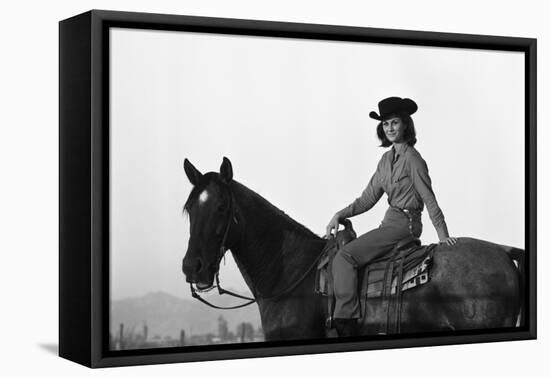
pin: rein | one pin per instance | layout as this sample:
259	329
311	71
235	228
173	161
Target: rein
221	291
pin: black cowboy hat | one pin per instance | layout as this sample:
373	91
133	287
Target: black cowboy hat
393	106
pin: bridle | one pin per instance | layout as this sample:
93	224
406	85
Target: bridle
195	292
221	291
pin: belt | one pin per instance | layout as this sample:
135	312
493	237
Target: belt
409	212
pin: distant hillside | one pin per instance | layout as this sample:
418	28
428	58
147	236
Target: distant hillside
165	314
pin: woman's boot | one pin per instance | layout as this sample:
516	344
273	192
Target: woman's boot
346	327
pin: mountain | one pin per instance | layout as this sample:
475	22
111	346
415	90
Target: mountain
166	315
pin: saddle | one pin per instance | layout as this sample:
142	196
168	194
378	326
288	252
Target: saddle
407	266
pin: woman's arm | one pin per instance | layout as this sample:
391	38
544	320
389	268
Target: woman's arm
423	185
368	198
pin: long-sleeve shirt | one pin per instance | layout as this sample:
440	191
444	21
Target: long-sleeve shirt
407	184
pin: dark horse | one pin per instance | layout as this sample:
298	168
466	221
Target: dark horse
475	284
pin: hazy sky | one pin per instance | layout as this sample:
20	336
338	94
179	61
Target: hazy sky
292	116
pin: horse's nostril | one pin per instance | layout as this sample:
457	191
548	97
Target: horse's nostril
191	267
188	266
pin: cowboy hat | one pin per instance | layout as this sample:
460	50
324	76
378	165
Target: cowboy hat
393	106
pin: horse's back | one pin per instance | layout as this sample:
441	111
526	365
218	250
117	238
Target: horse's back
474	284
475	267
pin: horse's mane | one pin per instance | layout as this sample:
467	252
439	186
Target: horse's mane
271	214
289	247
274	214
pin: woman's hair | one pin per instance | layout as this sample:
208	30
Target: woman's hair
409	135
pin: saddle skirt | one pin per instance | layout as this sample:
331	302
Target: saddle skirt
407	266
415	271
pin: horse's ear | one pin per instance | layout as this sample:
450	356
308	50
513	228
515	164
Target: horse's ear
192	173
226	170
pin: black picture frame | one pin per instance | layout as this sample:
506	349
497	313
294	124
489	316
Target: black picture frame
84	185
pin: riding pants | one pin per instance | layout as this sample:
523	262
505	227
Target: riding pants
396	226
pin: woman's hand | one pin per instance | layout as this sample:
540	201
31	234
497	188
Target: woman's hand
449	240
333	224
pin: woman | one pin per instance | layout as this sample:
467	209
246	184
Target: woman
403	175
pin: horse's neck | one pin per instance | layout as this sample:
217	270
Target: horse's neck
272	250
268	270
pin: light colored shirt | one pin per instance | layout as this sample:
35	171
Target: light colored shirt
407	184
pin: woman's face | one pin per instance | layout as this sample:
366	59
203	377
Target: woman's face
394	129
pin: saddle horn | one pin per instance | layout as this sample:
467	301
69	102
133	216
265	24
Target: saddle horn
346	235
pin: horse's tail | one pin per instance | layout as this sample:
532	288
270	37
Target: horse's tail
518	256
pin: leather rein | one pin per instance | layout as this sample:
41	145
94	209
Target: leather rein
221	291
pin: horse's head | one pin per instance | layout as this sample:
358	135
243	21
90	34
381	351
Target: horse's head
211	214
